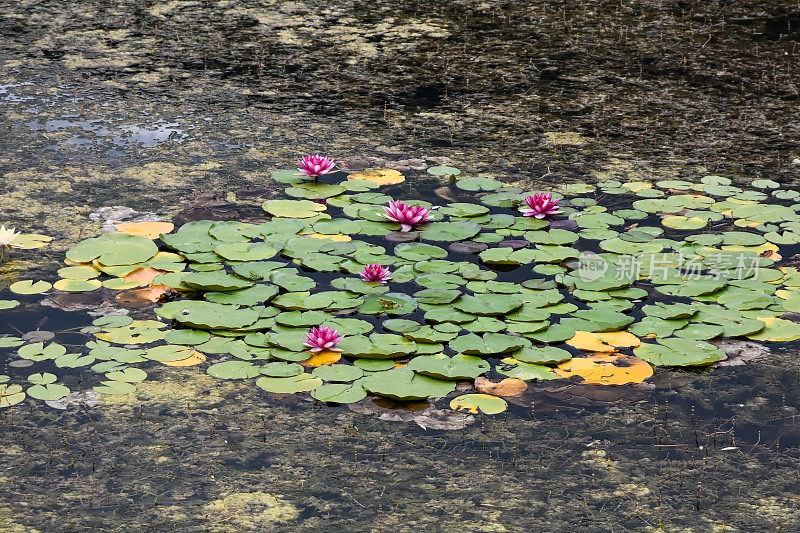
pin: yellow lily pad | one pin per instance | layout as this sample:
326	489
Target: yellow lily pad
119	284
681	222
338	237
606	369
325	357
195	359
151	230
10	395
777	330
29	286
472	403
77	285
32	240
78	272
603	342
381	176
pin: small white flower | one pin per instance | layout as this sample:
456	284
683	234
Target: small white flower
7	237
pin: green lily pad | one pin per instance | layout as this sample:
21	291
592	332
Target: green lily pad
113	249
679	352
462	209
449	231
189	337
416	251
684	223
233	370
448	314
38	351
401	325
488	304
128	375
700	331
428	334
349	326
391	303
302	301
508	256
257	270
232	231
377	346
339	392
314	191
472	403
489	344
10	395
658	326
360	286
374	365
547	355
10	342
478	184
209	315
47	392
293	208
553	334
73	360
291	339
137	332
669	311
42	378
8	304
115	388
693	287
215	281
453	368
289	385
444	170
338	372
436	296
289	175
168	353
597	320
245	251
300	319
281	369
404	384
527	372
485	324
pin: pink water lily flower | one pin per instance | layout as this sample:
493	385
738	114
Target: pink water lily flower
407	216
315	165
541	205
375	272
322	339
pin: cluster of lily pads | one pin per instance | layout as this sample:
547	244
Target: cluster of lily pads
481	289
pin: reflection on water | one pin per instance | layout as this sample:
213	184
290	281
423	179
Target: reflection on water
121	135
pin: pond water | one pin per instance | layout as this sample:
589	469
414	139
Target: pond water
182	111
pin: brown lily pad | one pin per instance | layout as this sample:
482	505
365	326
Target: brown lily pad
467	247
516	244
506	387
